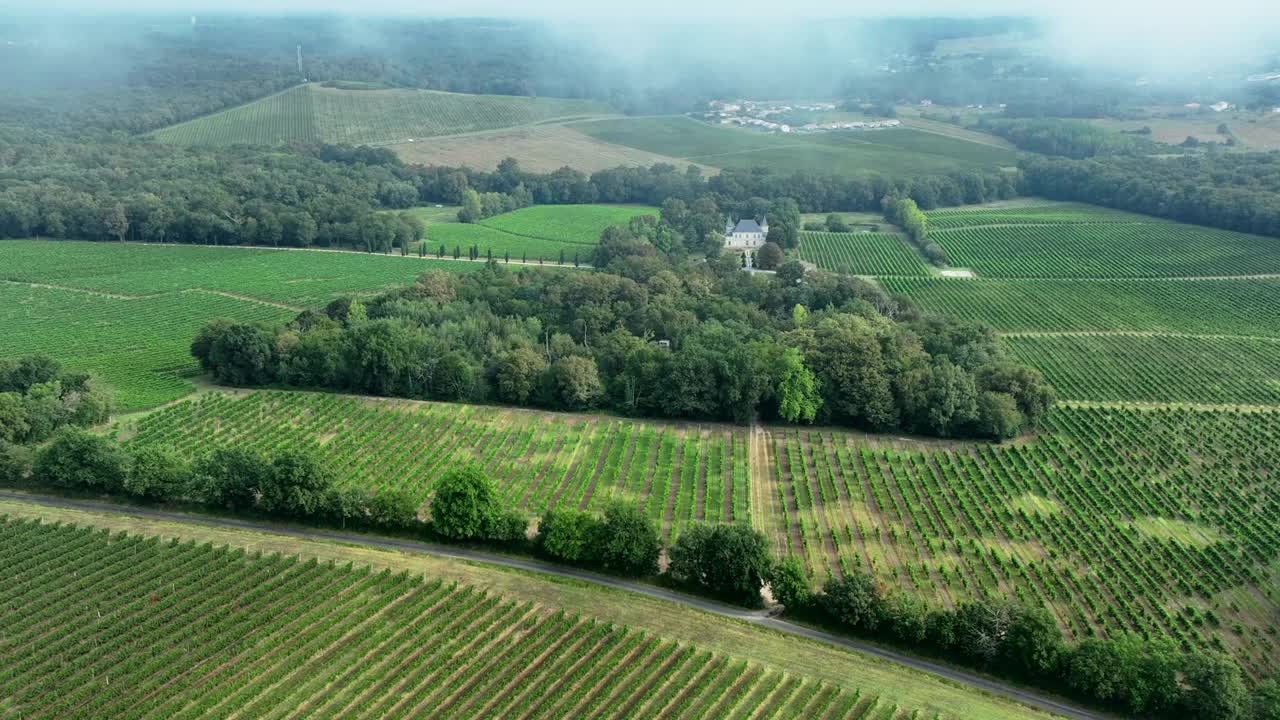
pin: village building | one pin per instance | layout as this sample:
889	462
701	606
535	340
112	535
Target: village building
745	239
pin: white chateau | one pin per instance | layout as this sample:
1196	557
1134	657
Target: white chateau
745	238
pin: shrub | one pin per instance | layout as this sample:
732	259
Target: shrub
79	460
788	584
156	473
730	561
568	535
464	504
627	541
853	600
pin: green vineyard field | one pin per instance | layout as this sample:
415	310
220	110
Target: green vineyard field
676	473
128	312
139	346
1117	520
541	232
1108	250
1137	368
880	254
310	113
1206	307
128	626
1048	214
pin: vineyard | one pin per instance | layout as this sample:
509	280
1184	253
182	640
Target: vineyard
141	628
880	254
1108	250
1118	520
1142	368
128	312
139	346
541	232
1205	307
309	113
675	473
1048	214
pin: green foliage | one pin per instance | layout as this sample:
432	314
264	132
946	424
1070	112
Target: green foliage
465	504
568	535
769	256
79	460
156	473
862	253
232	477
15	464
853	600
797	388
627	541
789	585
575	383
731	561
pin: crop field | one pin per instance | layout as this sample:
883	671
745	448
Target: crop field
129	312
863	253
541	148
1047	214
1205	307
541	232
310	113
893	152
139	346
1008	248
675	473
145	628
1155	368
1118	520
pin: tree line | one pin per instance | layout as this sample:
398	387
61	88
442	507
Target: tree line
1144	676
38	396
1232	191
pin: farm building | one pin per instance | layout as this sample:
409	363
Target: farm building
745	238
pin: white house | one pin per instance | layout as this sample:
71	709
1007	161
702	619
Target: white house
745	238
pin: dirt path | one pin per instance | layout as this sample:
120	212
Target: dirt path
246	298
765	513
68	288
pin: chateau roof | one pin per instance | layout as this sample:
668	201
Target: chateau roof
747	226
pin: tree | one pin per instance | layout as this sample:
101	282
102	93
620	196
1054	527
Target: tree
1212	688
906	618
853	600
627	541
1266	701
769	256
998	416
116	222
728	560
464	505
1033	646
297	485
392	508
471	211
982	628
789	585
15	464
232	477
576	382
784	223
797	388
13	418
1025	385
568	535
156	473
79	460
836	224
517	374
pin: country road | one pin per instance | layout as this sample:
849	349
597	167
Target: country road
758	617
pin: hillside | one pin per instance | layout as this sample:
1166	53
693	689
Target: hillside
311	113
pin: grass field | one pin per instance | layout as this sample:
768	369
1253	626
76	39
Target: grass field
311	113
542	148
894	152
862	253
541	232
1064	242
1118	520
380	639
129	311
1206	307
676	473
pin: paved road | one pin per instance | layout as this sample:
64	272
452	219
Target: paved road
758	617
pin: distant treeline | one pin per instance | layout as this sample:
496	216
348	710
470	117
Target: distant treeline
1232	191
1065	138
330	195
